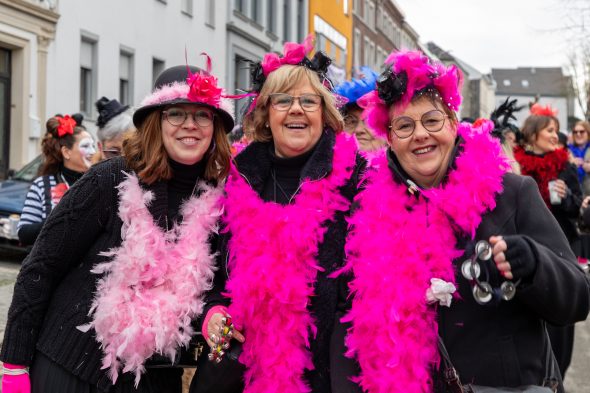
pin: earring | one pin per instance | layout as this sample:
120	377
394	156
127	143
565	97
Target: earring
266	125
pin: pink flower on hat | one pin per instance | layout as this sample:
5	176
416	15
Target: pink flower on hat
203	88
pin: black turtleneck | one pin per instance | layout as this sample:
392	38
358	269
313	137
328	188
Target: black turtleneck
70	176
182	185
284	177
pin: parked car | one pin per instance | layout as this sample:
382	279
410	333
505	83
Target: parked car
12	198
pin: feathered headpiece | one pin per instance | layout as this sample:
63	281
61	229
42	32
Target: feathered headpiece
356	88
501	117
539	110
409	73
293	54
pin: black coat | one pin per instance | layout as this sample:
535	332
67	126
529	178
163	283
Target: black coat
55	288
254	164
566	213
503	344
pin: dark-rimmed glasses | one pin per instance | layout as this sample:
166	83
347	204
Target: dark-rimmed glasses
351	122
111	153
582	131
404	126
177	117
308	102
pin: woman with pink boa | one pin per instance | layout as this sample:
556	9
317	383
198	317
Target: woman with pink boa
288	197
442	192
106	300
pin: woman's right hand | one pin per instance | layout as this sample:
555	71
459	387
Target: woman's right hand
215	326
585	202
15	379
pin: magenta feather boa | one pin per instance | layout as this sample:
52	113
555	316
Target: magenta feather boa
154	285
394	253
273	267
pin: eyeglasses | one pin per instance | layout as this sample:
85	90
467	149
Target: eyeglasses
579	132
404	126
351	122
177	117
110	153
283	102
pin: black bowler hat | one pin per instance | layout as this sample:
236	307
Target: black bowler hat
107	109
185	85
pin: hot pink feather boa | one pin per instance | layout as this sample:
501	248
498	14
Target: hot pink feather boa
273	267
153	287
394	253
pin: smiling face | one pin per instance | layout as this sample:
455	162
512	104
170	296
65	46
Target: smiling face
187	142
580	135
546	139
424	155
296	131
79	157
354	124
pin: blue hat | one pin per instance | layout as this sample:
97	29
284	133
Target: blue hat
356	88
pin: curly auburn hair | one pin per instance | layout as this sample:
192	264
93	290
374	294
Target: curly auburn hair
51	145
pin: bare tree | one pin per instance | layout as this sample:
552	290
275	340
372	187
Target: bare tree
577	28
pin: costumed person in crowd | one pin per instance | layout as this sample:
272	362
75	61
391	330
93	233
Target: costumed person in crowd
442	191
557	179
285	215
506	131
581	152
121	266
114	122
67	152
353	123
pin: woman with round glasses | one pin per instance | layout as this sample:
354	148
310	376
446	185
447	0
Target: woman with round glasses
107	298
580	149
447	242
285	215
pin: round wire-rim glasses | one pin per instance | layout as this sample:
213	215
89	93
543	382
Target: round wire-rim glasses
404	126
283	102
177	117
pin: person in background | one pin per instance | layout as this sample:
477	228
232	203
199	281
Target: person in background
442	194
67	152
352	113
120	268
579	148
541	158
506	131
114	122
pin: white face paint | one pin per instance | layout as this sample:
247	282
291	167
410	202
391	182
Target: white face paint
87	150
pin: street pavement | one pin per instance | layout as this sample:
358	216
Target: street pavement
576	381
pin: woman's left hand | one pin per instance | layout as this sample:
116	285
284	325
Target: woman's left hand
513	256
561	188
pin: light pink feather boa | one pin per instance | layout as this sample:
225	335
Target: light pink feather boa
273	268
394	253
154	285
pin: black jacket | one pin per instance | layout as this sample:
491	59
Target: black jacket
503	344
55	288
254	164
567	211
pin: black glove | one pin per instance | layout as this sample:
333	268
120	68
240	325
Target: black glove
520	256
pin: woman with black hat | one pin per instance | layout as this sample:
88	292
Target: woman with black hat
114	121
442	213
286	207
67	153
120	268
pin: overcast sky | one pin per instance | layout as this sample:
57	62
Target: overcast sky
493	33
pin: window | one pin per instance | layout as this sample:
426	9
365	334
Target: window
356	48
286	21
371	15
345	6
256	9
506	82
270	16
356	7
241	84
300	21
366	52
125	77
157	68
210	13
240	5
371	61
186	7
87	75
525	83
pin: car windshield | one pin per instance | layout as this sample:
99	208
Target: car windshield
30	171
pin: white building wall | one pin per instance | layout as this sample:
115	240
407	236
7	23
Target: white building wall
148	28
559	103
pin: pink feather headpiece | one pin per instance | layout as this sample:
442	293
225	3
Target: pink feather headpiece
410	73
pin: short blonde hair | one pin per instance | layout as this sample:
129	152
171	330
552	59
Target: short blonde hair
280	81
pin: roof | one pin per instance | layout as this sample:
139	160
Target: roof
531	81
